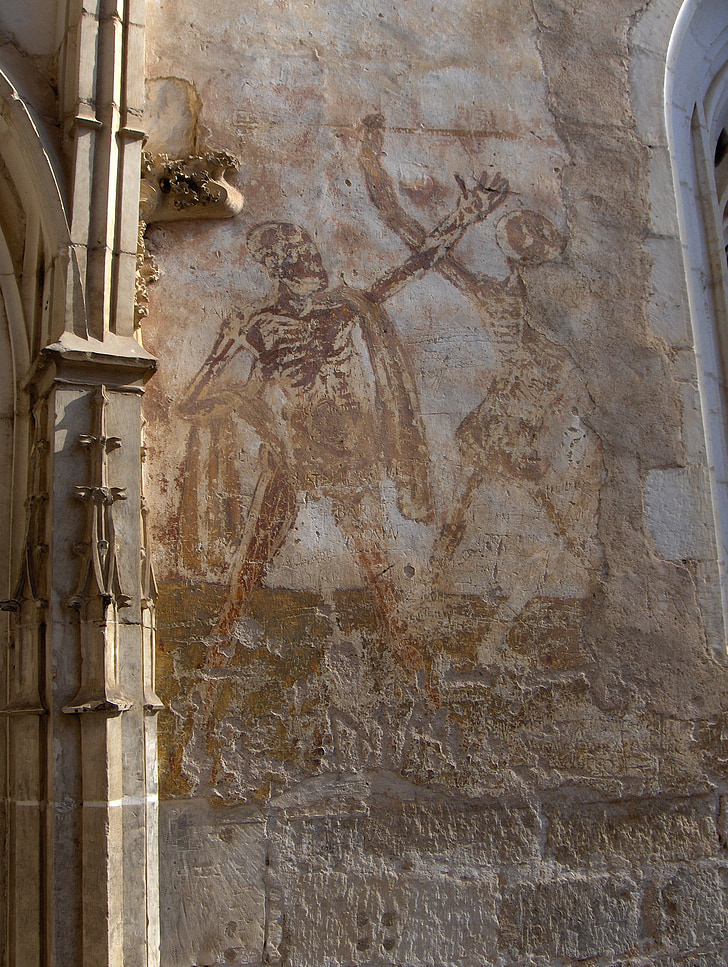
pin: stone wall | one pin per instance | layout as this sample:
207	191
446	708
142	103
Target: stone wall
450	697
441	645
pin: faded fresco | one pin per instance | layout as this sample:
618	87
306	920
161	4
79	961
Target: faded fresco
430	642
375	464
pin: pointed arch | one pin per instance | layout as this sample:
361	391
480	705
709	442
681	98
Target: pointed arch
696	112
35	253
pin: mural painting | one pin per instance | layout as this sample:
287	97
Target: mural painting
528	428
334	416
375	481
331	399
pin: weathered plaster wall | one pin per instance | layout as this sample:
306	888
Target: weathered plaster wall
438	619
28	51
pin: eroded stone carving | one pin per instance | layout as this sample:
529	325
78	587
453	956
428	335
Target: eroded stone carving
176	188
147	271
193	187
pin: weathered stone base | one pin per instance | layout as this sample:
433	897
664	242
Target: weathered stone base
336	831
338	872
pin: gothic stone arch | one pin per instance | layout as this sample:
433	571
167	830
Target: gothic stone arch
696	112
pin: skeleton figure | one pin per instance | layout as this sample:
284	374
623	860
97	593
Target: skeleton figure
525	445
333	398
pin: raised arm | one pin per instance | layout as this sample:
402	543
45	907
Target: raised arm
502	298
474	205
229	343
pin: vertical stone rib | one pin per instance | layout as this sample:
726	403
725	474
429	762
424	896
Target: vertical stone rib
130	138
26	711
102	105
152	705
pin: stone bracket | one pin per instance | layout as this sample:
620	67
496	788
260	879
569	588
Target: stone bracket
180	188
193	187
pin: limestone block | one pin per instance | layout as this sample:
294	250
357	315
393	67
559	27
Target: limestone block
647	73
693	908
709	591
134	100
136	12
213	907
463	835
580	917
653	26
336	918
693	429
677	502
723	819
668	308
35	84
595	57
663	206
32	22
87	40
171	117
633	833
712	739
716	954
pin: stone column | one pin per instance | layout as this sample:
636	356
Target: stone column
77	713
88	694
26	708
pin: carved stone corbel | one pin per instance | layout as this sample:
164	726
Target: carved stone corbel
194	187
178	188
99	594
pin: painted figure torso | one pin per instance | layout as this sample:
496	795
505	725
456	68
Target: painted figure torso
317	379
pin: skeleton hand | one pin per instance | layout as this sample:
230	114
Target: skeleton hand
484	197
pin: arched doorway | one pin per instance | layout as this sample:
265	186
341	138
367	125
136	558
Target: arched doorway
34	256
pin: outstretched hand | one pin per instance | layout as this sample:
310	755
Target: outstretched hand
487	194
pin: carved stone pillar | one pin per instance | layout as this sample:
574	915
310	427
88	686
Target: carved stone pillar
78	740
93	688
26	711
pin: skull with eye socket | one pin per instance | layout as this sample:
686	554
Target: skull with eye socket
290	256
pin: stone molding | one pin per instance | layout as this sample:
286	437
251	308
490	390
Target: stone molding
695	112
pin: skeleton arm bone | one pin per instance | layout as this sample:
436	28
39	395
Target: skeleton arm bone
474	205
502	298
229	343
